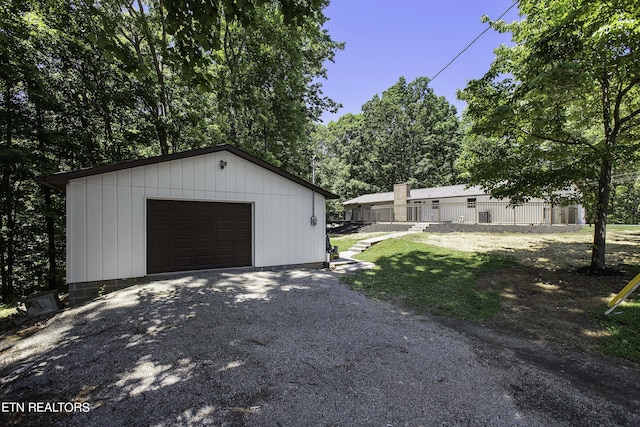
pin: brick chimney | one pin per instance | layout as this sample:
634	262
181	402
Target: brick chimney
401	194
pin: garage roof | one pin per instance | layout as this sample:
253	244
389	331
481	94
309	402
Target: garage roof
60	180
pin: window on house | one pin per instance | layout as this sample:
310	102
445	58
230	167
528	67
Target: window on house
435	204
471	202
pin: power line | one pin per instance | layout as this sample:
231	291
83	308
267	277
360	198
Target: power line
625	177
474	40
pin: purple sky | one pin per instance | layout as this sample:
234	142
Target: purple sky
387	39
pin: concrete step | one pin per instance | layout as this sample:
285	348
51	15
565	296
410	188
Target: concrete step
363	245
422	226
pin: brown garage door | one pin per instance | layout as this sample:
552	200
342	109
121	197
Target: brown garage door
189	235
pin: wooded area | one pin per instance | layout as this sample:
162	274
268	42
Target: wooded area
408	134
84	84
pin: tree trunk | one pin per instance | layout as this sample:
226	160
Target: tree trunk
604	179
10	247
161	131
51	250
6	205
3	267
602	208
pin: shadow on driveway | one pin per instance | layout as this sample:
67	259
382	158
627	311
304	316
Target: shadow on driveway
250	348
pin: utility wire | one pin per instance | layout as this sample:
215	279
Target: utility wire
625	177
474	40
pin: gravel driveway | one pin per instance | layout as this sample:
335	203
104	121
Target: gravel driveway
287	348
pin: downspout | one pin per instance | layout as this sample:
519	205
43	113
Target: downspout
314	220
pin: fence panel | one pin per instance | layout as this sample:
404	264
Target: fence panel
470	213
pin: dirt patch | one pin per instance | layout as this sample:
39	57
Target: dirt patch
548	328
546	377
552	306
544	299
555	251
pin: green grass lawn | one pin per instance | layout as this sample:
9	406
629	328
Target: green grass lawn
588	229
441	280
429	278
624	331
7	310
345	241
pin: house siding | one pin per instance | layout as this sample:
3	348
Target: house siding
106	213
455	209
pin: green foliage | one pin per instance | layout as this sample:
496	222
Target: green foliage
429	278
406	135
415	134
197	25
7	311
267	96
342	161
84	84
625	196
560	108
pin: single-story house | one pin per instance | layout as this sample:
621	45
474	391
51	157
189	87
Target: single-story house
455	203
209	208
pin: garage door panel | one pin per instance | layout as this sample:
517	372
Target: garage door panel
159	244
204	224
224	243
244	242
161	262
204	243
181	243
181	252
225	260
224	226
225	210
159	224
204	259
183	225
197	235
181	207
183	262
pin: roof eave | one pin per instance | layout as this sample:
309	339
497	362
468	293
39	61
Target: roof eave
60	180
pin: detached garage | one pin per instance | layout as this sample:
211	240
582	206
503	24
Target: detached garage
216	207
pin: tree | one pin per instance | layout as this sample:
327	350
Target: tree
408	134
624	205
344	163
268	95
559	109
88	83
198	26
414	133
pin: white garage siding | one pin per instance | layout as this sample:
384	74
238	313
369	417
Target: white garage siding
106	213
